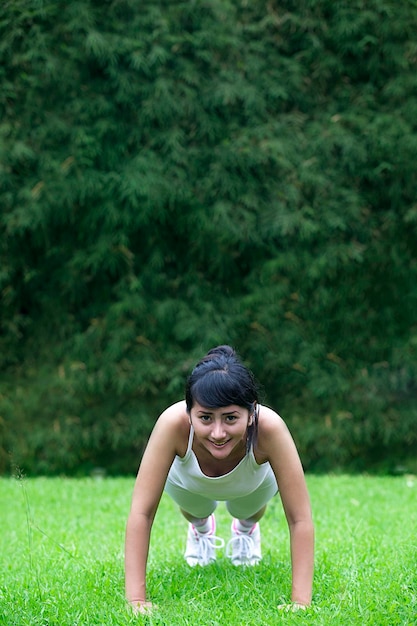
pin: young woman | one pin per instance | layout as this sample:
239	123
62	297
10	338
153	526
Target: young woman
220	444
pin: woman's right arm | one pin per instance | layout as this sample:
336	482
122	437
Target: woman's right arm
157	459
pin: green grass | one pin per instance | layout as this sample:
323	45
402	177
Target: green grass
61	546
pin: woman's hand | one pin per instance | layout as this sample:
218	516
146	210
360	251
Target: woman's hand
142	607
292	606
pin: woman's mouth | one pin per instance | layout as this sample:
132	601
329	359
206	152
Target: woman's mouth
218	444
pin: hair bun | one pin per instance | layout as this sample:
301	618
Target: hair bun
224	350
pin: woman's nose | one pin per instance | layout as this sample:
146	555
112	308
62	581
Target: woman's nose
218	431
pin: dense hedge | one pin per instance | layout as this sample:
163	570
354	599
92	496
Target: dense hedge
180	174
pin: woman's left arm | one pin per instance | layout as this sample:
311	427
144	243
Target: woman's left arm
279	448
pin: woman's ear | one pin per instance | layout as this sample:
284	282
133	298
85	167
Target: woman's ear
252	415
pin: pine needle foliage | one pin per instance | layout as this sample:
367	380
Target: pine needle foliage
179	174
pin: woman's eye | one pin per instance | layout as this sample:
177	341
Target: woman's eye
231	418
205	418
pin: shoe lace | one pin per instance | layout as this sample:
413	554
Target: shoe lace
206	543
241	544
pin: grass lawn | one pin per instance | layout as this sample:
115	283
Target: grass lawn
61	547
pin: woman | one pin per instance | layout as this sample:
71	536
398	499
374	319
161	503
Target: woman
220	444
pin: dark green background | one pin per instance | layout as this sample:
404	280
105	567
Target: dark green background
174	175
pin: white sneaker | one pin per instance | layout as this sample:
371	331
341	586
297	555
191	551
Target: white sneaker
244	548
201	547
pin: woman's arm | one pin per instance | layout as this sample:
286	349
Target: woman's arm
275	439
163	445
302	560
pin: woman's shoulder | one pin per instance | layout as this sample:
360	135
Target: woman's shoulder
174	423
178	410
269	420
272	430
175	415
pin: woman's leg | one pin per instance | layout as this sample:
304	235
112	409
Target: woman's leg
244	548
201	538
253	506
202	524
248	522
192	506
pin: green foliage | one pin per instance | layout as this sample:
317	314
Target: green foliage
175	175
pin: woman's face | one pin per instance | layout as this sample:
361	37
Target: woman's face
221	432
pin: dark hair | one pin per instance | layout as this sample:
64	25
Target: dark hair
220	379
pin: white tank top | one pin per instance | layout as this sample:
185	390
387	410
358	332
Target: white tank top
245	478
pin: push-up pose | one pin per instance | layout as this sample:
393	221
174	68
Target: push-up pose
220	444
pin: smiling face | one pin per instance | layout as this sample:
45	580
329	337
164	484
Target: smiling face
222	431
